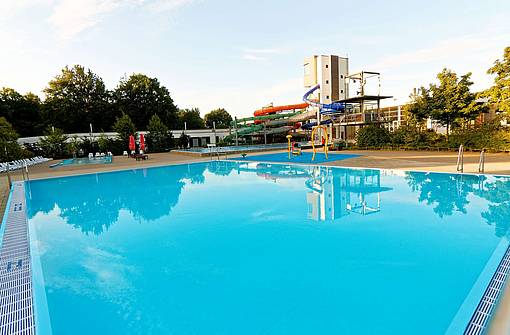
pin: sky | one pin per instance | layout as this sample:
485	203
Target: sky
242	55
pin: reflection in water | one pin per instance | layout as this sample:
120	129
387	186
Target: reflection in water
334	195
497	193
331	193
139	191
447	193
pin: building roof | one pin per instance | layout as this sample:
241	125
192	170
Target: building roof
362	98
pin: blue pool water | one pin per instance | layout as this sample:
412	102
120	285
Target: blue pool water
84	160
305	157
252	248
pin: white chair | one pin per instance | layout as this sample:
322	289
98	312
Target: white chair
97	154
91	155
109	153
124	153
101	154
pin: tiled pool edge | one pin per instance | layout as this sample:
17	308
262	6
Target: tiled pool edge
16	294
484	311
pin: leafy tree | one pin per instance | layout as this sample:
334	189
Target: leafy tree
419	109
499	93
124	128
53	143
75	98
159	137
452	99
9	147
192	119
102	142
22	111
372	136
74	145
140	97
218	116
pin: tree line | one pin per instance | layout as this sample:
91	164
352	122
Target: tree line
77	97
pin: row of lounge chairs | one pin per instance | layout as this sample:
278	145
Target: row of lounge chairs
18	164
99	154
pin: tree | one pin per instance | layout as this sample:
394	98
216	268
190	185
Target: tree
140	97
53	143
76	98
9	147
124	128
159	137
192	119
499	93
22	111
102	142
452	99
219	116
74	145
419	109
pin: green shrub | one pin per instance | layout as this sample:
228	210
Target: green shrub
373	136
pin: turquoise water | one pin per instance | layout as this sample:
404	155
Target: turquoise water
85	160
251	248
305	157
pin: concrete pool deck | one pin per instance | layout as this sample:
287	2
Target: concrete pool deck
498	163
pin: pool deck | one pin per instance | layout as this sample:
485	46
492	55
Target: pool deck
401	160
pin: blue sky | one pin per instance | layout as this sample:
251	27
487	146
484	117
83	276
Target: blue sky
242	55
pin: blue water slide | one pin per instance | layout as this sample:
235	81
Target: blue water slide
333	108
309	125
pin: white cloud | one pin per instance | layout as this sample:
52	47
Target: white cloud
71	17
259	54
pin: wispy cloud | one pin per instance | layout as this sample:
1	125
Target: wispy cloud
259	54
70	18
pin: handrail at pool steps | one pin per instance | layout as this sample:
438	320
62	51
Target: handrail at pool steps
460	159
215	151
481	163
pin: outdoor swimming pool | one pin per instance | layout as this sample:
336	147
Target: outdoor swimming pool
251	248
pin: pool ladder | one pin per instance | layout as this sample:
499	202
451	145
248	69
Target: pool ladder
460	160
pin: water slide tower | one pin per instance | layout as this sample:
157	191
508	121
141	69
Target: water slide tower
331	73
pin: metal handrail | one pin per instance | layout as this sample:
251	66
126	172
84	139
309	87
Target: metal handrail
460	159
481	163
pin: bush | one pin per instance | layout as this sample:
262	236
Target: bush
9	147
411	137
488	136
373	136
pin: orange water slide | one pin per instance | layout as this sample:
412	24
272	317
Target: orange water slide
275	109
